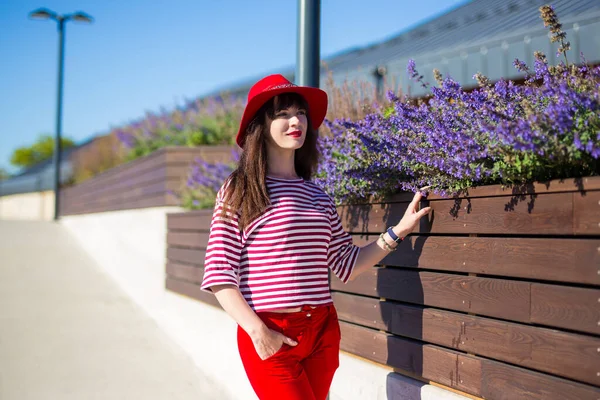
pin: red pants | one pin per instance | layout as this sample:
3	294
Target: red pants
301	372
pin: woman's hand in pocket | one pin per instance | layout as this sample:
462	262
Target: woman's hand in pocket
268	342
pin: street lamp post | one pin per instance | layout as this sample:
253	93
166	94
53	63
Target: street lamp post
44	14
308	48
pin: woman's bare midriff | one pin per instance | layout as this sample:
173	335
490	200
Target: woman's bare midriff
289	310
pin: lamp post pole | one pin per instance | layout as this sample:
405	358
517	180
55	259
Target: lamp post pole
58	140
61	20
308	55
308	48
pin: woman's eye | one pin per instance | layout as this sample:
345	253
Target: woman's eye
302	112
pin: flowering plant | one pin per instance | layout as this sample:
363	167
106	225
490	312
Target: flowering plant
547	128
210	121
350	101
204	181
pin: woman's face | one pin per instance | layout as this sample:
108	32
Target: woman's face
288	128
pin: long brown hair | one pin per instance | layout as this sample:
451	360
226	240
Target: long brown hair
247	192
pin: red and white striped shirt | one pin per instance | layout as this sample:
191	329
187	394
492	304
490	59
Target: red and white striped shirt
282	258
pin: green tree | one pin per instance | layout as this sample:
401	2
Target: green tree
41	150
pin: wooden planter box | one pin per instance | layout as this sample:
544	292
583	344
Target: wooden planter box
496	295
187	237
144	182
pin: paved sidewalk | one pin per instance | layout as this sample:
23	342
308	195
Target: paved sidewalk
68	332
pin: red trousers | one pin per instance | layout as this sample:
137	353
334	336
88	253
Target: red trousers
301	372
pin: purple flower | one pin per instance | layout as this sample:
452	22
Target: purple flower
126	139
520	65
414	74
500	133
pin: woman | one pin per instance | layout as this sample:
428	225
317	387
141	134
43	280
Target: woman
274	236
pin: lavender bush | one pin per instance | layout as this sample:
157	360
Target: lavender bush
210	121
504	133
204	181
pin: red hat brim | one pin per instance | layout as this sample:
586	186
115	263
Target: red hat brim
315	98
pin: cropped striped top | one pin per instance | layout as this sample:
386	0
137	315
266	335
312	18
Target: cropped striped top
282	258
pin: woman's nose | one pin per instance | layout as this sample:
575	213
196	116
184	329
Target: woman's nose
294	121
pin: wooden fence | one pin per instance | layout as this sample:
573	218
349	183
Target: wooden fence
187	237
144	182
496	295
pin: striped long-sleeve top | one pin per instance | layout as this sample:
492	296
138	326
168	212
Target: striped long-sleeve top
282	258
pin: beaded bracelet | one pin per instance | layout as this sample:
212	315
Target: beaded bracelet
385	244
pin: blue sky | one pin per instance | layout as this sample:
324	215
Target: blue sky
141	55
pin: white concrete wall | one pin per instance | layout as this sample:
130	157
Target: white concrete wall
131	246
37	206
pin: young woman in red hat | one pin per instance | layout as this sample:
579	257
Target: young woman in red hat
273	238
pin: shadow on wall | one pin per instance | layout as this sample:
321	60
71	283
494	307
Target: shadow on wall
399	287
399	283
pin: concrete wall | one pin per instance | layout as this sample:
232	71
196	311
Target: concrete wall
131	246
38	206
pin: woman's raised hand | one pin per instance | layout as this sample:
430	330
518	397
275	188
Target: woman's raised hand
412	215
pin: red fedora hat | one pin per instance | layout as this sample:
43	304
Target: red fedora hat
271	86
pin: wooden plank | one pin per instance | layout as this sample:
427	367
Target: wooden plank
191	290
197	240
492	297
501	381
556	306
148	187
428	361
184	272
198	220
135	191
140	178
134	177
148	178
365	283
565	354
554	186
172	157
126	194
175	160
155	160
545	214
562	260
156	200
207	153
131	198
143	201
188	256
474	375
587	213
566	307
377	314
581	185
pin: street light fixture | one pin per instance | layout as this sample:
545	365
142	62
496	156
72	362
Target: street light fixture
44	14
82	17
